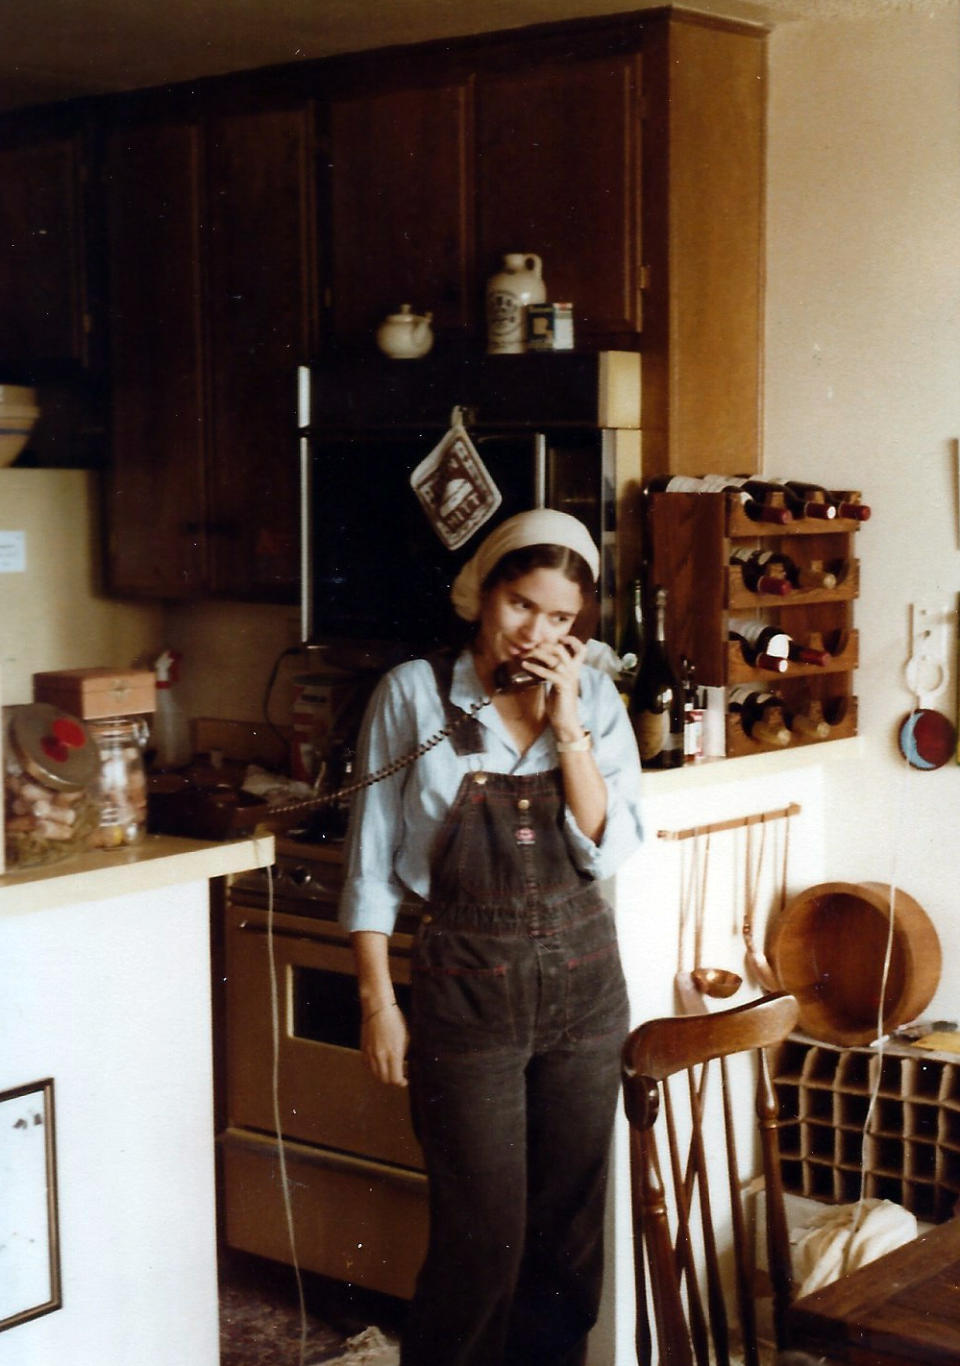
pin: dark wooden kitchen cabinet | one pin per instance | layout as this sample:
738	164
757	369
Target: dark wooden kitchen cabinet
558	174
43	287
401	214
260	316
156	496
211	309
628	153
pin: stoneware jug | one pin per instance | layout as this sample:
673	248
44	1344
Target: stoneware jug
405	335
519	282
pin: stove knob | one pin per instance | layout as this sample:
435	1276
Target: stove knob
301	875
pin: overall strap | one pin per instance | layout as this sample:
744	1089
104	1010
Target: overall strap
467	738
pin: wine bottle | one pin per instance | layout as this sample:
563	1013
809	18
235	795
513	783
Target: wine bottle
762	646
803	501
761	714
847	502
764	571
631	642
810	721
812	575
718	483
656	706
812	652
692	714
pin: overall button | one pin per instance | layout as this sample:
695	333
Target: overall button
523	804
479	779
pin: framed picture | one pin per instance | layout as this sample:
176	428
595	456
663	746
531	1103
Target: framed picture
29	1235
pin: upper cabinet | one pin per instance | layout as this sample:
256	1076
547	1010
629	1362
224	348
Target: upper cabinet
274	217
211	293
261	311
557	173
43	288
156	496
627	153
400	208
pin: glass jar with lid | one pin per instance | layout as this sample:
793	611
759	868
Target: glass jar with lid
121	784
50	763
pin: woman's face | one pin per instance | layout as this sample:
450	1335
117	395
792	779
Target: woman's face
517	615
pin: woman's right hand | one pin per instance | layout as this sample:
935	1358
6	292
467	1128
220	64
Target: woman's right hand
383	1043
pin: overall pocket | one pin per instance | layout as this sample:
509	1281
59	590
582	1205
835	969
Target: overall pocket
461	991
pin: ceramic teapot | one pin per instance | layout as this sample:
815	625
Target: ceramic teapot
405	335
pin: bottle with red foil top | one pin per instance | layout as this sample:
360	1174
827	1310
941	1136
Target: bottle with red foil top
847	503
812	651
756	510
764	571
763	646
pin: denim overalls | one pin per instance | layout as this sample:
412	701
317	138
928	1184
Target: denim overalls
518	1014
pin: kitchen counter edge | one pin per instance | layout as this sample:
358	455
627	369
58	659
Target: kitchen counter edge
158	861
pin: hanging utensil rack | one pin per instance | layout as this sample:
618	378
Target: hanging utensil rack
734	823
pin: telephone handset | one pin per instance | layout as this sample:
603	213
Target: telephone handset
506	678
515	678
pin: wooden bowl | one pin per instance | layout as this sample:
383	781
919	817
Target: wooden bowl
827	947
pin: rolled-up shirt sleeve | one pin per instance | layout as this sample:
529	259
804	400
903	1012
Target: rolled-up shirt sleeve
615	751
372	892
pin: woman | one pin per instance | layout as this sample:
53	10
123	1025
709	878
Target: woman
518	1003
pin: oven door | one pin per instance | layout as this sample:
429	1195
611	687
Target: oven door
326	1095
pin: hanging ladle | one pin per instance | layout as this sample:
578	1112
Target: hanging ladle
700	982
718	983
758	966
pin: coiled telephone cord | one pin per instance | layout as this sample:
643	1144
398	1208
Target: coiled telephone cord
378	776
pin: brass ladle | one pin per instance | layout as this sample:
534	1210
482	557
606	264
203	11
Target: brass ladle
718	983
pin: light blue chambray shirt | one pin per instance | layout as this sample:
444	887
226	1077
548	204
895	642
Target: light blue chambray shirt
393	824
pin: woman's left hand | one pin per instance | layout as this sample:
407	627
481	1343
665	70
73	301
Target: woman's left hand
559	665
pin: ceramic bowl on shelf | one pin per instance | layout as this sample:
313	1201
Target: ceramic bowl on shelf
18	416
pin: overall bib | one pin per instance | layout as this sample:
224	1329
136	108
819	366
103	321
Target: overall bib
518	1014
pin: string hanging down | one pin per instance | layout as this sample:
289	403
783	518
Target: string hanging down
734	823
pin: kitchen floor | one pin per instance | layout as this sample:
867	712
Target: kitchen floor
260	1315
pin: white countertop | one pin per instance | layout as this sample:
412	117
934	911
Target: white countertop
159	861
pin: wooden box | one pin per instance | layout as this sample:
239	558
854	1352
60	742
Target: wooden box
93	693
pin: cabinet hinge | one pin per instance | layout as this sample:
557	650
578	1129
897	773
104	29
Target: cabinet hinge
644	277
87	324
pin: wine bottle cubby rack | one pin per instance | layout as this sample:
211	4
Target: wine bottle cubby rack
909	1153
691	539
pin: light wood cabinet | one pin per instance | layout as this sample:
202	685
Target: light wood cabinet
834	1146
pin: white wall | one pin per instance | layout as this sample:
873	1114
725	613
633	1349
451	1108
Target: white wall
112	999
863	390
53	616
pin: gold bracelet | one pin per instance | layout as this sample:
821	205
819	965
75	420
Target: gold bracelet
379	1011
575	746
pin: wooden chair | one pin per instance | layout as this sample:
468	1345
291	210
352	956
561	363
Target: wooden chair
685	1226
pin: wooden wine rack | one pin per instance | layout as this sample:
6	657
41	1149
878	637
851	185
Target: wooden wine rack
910	1153
691	538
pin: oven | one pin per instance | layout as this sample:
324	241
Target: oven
354	1170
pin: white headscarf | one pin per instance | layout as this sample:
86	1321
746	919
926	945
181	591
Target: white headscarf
542	526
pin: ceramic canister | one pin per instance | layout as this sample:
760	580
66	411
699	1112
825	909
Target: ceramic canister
519	282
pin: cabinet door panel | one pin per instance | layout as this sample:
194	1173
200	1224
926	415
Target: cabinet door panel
557	175
156	496
401	220
41	278
260	297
